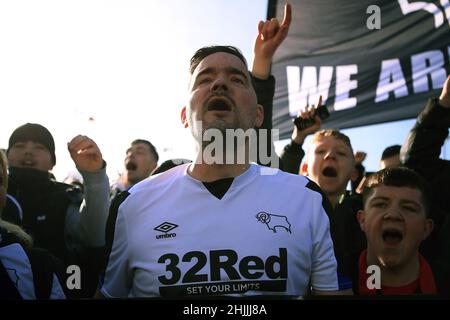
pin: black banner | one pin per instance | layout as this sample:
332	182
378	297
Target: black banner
372	61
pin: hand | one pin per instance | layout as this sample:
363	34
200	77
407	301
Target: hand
298	136
85	153
270	35
444	98
360	156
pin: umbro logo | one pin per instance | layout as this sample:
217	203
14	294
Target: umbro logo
164	228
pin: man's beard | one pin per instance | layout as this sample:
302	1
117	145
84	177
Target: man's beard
220	125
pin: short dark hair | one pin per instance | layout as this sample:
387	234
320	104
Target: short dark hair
391	151
335	134
398	177
202	53
150	146
169	164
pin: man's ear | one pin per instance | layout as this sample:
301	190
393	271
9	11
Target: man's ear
304	169
183	118
259	116
429	225
361	217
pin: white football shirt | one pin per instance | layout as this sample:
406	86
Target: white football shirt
268	235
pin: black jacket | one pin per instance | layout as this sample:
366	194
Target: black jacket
420	152
44	203
265	91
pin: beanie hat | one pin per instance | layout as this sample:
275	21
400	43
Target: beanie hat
36	133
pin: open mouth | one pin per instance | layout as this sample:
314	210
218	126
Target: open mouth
131	166
329	172
392	236
28	163
219	104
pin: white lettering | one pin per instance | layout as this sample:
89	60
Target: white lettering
239	147
374	280
306	91
429	63
236	152
200	310
74	280
446	5
407	8
213	152
391	79
343	87
267	156
373	21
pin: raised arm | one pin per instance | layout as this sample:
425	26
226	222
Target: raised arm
270	36
88	222
423	145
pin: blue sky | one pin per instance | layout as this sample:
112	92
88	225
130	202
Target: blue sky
123	64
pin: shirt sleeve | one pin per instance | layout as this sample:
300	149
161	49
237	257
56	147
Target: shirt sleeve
265	90
85	225
422	147
324	266
291	157
118	278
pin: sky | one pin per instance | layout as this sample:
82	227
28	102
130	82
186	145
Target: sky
117	70
122	64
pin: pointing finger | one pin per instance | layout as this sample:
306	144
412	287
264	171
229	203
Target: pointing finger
284	28
287	16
